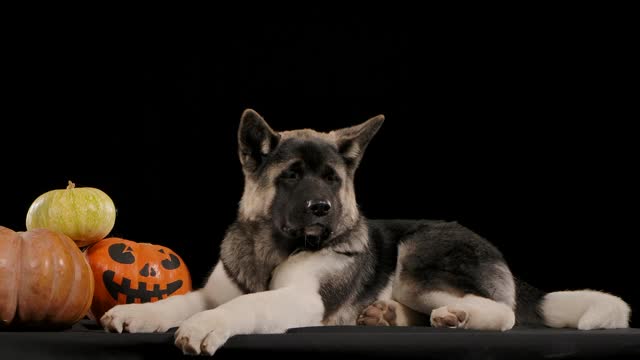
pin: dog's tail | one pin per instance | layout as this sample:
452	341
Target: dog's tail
580	309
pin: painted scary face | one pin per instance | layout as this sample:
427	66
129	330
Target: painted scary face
128	272
149	274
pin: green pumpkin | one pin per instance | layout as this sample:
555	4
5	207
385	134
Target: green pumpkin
84	214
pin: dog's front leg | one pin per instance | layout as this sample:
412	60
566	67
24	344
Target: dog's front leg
294	301
164	314
266	312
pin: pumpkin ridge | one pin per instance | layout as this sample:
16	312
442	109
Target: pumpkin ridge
25	312
73	260
85	270
56	279
76	279
18	277
9	315
82	213
89	294
20	274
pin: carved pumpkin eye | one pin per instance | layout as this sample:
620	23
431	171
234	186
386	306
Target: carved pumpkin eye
172	263
122	253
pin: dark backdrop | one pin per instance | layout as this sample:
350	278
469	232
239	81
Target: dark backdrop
518	127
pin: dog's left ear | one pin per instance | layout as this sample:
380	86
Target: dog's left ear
352	141
256	139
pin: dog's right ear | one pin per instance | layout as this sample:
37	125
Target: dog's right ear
256	139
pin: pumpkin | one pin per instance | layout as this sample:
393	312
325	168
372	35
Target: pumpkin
128	272
85	214
45	280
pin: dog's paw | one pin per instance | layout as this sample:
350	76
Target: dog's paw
449	316
380	313
203	333
134	318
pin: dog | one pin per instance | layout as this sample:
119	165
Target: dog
301	254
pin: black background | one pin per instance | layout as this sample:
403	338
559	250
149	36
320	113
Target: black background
519	126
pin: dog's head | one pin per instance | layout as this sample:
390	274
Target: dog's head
301	181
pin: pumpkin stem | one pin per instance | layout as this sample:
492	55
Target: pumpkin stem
71	185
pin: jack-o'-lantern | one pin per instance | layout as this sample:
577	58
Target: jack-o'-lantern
128	272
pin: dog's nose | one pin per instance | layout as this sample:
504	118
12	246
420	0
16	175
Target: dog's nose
319	207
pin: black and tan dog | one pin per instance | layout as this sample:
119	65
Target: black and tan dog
301	254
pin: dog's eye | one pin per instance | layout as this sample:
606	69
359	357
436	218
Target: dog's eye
290	175
332	177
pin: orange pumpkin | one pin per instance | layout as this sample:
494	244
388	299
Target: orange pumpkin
128	272
45	281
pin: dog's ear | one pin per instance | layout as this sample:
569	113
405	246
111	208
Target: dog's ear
352	141
256	139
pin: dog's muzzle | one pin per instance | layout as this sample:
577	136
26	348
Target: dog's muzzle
313	235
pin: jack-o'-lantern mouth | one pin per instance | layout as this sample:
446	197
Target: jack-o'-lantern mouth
141	292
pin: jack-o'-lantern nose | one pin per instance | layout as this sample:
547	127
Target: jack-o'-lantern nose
147	270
